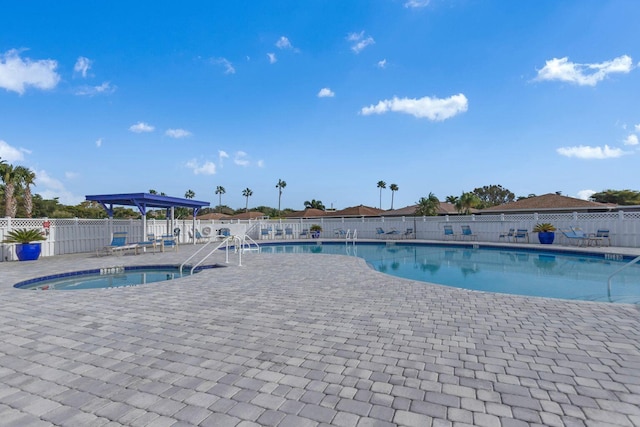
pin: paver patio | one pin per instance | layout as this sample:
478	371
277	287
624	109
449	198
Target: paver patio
307	340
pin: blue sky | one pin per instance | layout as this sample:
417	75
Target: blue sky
437	96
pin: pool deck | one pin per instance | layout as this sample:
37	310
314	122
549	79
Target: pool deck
307	340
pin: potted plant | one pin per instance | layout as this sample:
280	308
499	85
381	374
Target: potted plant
545	232
315	230
26	250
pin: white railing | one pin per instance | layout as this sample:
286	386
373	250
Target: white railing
67	236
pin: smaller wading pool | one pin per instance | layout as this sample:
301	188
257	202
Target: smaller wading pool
111	277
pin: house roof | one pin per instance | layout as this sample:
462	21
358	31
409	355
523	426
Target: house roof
248	215
360	210
550	202
307	213
214	216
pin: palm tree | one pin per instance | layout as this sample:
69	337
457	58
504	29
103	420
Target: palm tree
451	199
381	185
220	191
314	204
393	188
280	186
189	194
8	176
466	202
428	206
26	177
247	193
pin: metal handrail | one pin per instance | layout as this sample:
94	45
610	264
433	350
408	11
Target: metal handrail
200	250
629	264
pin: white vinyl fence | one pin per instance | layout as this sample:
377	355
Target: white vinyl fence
67	236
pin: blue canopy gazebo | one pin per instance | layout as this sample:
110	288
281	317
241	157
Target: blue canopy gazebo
143	201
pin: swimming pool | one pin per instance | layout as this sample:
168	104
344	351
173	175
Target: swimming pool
493	269
111	277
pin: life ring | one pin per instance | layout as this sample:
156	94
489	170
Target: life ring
206	231
176	231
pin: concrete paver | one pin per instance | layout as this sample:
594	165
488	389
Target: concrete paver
306	340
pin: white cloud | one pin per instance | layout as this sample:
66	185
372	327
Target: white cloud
104	88
585	194
284	43
583	74
9	153
382	64
177	133
435	109
586	152
141	127
637	127
99	142
359	42
417	3
49	188
260	163
272	58
222	155
228	66
16	74
206	168
241	159
325	92
631	140
71	175
82	66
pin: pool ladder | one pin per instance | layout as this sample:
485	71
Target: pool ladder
629	264
237	243
351	236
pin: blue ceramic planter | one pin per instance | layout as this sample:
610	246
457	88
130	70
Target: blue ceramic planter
546	237
28	251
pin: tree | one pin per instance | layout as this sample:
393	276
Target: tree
189	194
381	186
25	177
314	204
451	199
466	202
280	186
393	188
493	195
152	191
220	191
9	178
428	206
619	197
246	193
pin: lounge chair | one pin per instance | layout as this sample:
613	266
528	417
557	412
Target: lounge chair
119	244
279	233
168	241
448	232
340	233
507	235
467	233
576	236
151	242
288	233
521	233
265	233
384	234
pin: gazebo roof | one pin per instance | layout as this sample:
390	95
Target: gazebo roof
143	201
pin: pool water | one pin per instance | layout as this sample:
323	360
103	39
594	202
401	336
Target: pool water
520	272
116	277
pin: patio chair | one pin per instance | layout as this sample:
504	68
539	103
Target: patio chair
151	242
340	233
119	244
521	233
409	234
448	232
278	234
265	233
304	234
380	232
507	235
467	233
599	237
288	233
168	241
